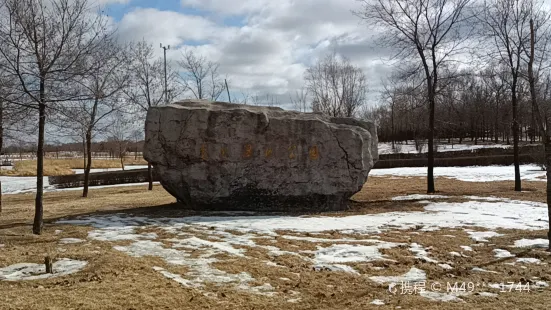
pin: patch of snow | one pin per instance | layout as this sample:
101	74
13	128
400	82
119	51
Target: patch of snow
445	266
294	300
70	240
119	234
264	289
320	240
490	215
126	167
478	269
490	198
444	297
413	275
31	271
19	185
176	277
487	294
502	286
421	253
507	200
336	267
378	302
201	269
482	236
528	260
345	253
467	174
419	197
14	185
541	284
466	248
197	243
386	147
532	243
500	253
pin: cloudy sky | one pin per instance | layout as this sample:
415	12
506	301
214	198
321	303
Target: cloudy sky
263	46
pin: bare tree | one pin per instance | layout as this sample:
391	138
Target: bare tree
13	117
537	51
201	77
147	86
136	135
44	44
335	86
504	23
395	90
120	134
430	32
267	99
300	100
102	85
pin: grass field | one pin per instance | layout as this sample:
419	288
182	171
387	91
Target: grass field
113	279
63	166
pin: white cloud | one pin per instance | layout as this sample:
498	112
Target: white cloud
104	2
229	7
167	27
271	50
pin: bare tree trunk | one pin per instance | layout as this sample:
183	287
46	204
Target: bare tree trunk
150	176
430	170
497	120
547	149
38	206
544	129
121	155
392	124
88	164
518	186
84	152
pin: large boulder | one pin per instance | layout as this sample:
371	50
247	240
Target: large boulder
223	156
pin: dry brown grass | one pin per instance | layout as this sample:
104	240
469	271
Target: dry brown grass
382	189
63	166
18	209
114	280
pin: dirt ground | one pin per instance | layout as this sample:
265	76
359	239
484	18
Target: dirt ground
113	279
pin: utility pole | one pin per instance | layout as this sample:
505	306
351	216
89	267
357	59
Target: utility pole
165	48
228	90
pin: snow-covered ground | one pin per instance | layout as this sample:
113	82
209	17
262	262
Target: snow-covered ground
386	147
81	171
16	185
212	236
31	271
468	174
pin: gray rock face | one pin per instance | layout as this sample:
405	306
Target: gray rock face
222	156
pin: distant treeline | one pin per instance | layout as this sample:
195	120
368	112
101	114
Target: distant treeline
99	149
